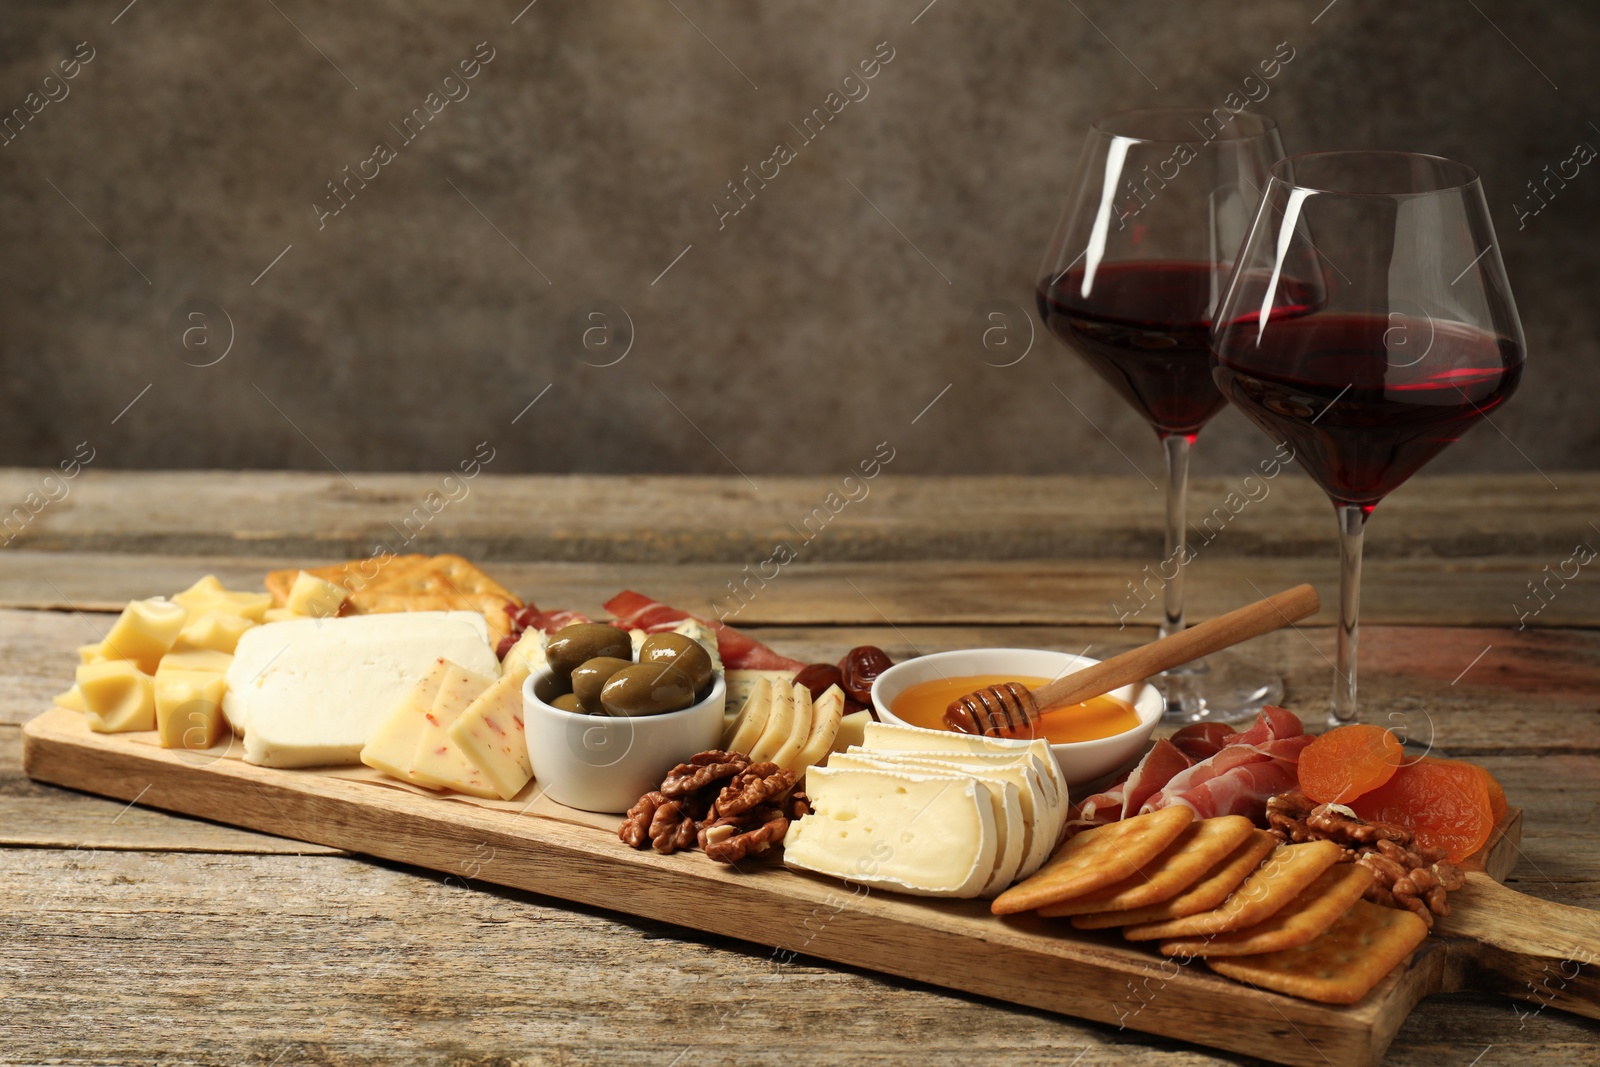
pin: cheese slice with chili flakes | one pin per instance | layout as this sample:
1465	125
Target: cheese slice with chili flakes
439	761
490	732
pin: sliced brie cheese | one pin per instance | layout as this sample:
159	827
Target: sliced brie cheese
1015	833
310	692
887	737
912	833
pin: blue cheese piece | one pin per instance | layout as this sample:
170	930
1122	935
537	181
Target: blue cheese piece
312	692
926	835
696	630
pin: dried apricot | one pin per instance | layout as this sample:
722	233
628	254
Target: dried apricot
1348	761
1443	802
1497	793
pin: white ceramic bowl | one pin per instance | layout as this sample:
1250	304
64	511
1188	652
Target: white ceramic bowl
1080	761
601	763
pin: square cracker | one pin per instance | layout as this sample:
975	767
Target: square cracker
1095	859
1204	895
1318	907
443	575
1342	964
1201	846
1287	871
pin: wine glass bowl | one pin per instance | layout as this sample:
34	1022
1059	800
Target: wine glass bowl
1367	326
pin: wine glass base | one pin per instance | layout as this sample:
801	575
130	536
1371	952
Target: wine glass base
1219	688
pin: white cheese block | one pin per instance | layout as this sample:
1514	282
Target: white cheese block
911	833
888	737
1043	810
311	692
1014	831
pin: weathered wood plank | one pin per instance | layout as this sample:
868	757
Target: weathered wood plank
45	816
696	519
401	968
1425	592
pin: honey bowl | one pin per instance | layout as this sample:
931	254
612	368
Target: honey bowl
1109	732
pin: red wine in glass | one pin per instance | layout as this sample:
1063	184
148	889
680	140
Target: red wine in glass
1361	426
1158	206
1413	340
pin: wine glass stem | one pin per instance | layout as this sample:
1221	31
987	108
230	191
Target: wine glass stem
1352	525
1177	447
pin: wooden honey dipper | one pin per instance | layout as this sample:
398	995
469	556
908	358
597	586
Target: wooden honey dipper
1010	709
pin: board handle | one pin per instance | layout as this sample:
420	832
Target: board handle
1524	947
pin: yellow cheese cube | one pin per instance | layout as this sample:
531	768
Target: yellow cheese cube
208	597
279	615
392	746
144	632
439	761
117	696
72	700
88	653
188	708
200	659
219	633
490	735
316	597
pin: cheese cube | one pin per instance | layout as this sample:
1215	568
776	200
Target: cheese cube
200	659
316	597
88	653
394	743
72	700
528	651
312	692
912	833
208	597
439	761
852	729
219	633
144	632
279	615
490	732
188	707
117	696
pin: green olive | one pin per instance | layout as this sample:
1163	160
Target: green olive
687	654
566	702
588	678
647	689
572	645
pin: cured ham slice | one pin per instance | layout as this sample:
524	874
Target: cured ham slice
529	617
739	652
1250	767
1208	767
1202	740
1127	794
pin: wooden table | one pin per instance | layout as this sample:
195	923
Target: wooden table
135	936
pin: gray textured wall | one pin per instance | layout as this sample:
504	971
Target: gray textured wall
196	144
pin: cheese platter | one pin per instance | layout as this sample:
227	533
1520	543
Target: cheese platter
1258	891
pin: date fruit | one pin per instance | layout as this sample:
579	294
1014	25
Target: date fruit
858	669
817	677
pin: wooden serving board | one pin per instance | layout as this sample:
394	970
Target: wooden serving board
1497	939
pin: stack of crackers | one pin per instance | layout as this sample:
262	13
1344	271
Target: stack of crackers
382	584
1289	918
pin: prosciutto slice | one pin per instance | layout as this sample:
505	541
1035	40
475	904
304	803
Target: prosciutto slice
1208	767
529	617
1250	767
739	652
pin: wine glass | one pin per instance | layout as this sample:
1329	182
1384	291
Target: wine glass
1162	200
1367	326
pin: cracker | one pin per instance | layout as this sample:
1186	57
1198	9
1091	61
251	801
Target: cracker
354	575
1204	895
443	575
1095	859
1318	907
1341	965
1287	871
1201	846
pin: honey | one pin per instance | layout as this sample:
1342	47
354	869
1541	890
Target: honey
923	705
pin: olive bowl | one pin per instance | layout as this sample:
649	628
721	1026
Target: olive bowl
605	763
